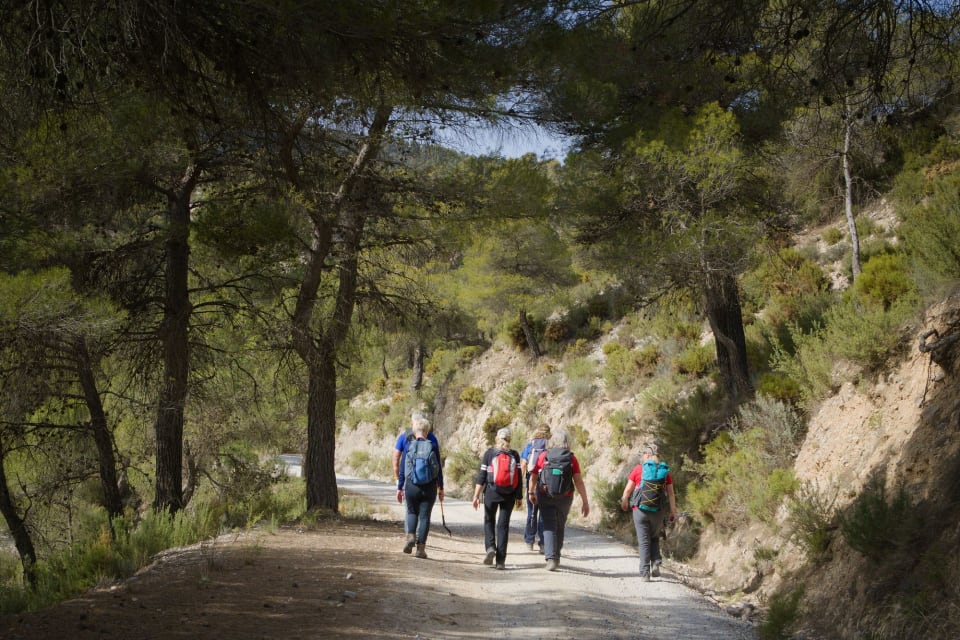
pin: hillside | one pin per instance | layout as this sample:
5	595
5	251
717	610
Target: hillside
896	427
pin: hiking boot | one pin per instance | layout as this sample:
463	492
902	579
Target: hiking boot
655	569
645	576
421	551
488	559
552	564
411	542
530	546
501	566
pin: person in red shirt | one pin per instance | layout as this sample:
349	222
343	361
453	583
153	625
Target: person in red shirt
558	460
648	523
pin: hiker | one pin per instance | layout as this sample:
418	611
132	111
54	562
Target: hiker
500	480
533	529
647	506
420	482
552	480
406	434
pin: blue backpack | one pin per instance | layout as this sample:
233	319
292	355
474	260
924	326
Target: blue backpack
422	465
649	493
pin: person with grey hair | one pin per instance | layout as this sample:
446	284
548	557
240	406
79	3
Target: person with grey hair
420	483
553	478
403	436
499	478
648	483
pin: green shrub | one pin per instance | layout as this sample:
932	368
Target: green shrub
782	616
695	360
747	470
494	423
621	426
613	520
877	527
832	236
512	394
684	422
473	396
779	387
812	514
884	280
931	229
864	334
132	545
460	467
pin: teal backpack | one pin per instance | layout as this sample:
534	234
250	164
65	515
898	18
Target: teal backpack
649	493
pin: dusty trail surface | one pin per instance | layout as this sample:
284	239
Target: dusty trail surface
348	579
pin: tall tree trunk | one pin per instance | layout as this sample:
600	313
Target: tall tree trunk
18	528
175	348
529	334
726	322
848	198
319	347
418	366
102	437
318	467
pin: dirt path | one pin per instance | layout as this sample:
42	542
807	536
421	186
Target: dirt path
349	580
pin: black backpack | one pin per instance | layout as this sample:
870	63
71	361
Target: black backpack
556	476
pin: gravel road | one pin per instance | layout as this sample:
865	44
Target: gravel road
596	593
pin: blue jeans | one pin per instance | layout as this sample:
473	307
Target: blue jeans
648	524
496	527
554	512
419	499
533	530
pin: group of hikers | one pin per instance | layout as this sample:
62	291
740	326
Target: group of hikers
547	473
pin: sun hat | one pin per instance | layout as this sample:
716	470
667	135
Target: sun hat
504	434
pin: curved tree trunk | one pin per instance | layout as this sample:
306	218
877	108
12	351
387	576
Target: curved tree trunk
318	347
175	349
102	437
726	322
529	334
17	527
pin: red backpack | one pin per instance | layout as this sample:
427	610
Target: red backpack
504	471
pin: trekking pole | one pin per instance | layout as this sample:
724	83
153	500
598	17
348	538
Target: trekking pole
443	520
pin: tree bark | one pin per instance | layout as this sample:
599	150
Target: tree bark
174	337
418	366
103	439
848	199
726	322
529	334
18	528
319	471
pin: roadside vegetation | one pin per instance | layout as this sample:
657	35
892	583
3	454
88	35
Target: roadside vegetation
218	245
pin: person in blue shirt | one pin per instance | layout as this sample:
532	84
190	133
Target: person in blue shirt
533	530
401	443
419	483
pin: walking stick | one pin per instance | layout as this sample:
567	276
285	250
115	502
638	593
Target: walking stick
443	520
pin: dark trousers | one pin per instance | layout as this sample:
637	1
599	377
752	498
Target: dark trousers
496	526
419	499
